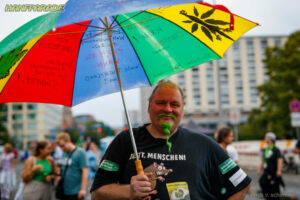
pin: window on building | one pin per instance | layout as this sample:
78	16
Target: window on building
240	101
236	45
32	106
32	125
197	103
4	108
254	100
225	102
249	42
277	42
32	137
195	69
237	62
263	44
17	126
17	107
238	75
211	102
195	76
17	116
3	118
31	116
239	87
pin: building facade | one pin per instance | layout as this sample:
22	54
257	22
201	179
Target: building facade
135	118
224	91
30	122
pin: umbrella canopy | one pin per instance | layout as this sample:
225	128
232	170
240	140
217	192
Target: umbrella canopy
70	64
70	57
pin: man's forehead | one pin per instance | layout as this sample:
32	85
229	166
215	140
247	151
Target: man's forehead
166	90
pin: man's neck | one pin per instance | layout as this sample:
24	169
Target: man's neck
158	133
71	147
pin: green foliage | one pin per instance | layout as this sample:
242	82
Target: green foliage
283	69
74	134
4	136
92	131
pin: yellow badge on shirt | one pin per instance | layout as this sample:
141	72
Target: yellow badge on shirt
178	190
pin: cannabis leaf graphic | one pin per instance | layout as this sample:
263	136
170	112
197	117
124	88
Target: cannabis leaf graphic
210	27
8	60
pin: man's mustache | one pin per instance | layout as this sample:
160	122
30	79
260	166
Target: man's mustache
166	115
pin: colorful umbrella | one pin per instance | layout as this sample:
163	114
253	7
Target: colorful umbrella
51	60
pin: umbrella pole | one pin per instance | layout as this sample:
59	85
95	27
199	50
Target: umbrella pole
138	163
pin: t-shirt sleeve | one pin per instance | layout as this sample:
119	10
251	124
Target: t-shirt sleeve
278	153
226	177
83	161
112	162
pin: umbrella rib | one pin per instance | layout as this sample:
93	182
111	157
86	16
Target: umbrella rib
103	23
75	32
139	22
130	18
113	22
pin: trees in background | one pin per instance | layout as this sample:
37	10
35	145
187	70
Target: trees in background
4	136
283	69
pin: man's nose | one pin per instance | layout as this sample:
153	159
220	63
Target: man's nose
167	108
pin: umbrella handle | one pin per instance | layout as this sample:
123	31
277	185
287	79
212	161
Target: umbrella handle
139	167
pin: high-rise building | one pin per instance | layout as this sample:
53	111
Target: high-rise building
28	122
231	89
68	121
135	118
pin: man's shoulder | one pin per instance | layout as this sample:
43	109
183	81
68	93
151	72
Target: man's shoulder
80	151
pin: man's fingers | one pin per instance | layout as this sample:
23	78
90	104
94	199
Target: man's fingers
140	185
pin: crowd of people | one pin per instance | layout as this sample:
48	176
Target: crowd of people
46	166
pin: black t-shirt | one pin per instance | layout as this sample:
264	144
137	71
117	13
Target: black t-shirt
197	167
271	160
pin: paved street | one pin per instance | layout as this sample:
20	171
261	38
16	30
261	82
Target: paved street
292	182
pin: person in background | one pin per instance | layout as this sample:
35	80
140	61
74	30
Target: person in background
93	159
57	153
224	137
8	169
271	169
76	175
24	155
38	173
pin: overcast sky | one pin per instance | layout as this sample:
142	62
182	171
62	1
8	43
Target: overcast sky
276	17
